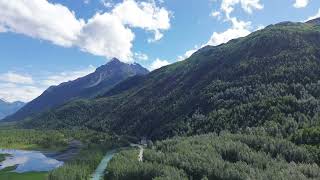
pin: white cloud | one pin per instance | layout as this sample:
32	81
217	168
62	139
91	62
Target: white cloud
66	76
12	77
18	87
301	3
40	19
188	54
141	56
216	14
315	16
13	92
106	34
107	3
158	64
238	29
143	15
227	6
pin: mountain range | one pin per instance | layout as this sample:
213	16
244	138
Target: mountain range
268	79
7	108
85	87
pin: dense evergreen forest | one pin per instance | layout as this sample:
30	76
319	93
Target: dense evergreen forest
211	156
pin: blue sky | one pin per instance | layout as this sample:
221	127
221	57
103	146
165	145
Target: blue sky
46	42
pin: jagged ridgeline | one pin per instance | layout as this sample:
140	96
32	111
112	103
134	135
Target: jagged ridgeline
7	108
268	79
98	82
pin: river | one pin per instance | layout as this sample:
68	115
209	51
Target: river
100	171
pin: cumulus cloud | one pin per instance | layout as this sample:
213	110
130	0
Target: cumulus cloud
40	19
158	64
13	92
143	15
12	77
107	34
15	86
227	6
238	29
301	3
21	87
104	35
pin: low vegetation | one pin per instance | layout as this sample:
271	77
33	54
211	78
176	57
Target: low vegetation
32	139
51	140
82	166
7	174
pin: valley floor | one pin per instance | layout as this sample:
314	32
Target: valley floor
251	154
81	151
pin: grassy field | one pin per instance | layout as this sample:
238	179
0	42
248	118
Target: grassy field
6	174
32	139
23	176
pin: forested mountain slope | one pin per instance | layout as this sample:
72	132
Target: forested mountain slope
269	78
88	86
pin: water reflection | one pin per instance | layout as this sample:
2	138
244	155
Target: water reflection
27	161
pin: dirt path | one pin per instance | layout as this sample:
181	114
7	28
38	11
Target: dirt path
140	156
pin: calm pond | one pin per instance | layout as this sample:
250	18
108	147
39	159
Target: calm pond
28	161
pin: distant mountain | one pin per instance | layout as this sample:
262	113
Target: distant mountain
88	86
7	108
270	79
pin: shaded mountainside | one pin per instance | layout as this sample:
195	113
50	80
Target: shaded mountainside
269	78
7	108
88	86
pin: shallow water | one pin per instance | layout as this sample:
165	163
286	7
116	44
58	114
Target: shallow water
28	161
